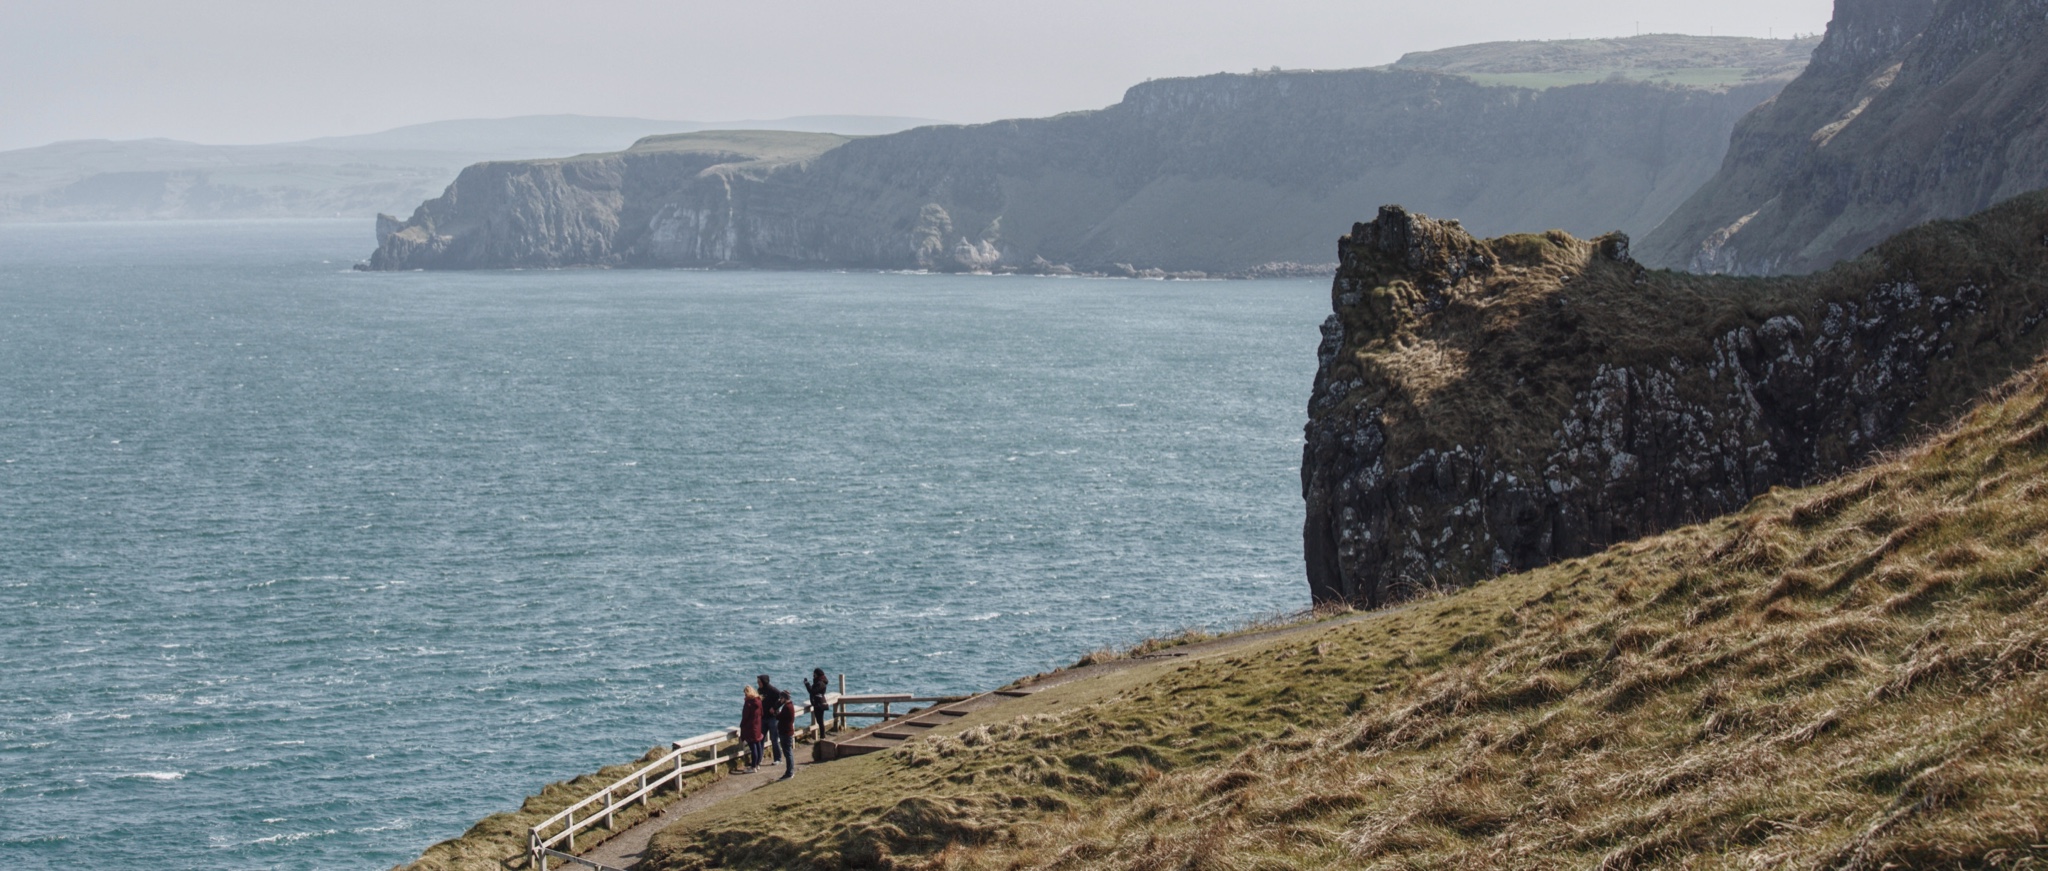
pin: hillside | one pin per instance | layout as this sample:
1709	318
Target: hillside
156	179
1216	174
1911	110
336	176
1847	676
1485	406
535	136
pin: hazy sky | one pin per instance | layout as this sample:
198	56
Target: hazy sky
229	71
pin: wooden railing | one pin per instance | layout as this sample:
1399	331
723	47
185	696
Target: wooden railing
640	785
886	700
560	829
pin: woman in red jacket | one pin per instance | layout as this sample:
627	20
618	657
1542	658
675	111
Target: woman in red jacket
750	729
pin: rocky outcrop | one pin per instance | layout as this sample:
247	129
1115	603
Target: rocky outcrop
669	198
1910	110
1217	174
1482	406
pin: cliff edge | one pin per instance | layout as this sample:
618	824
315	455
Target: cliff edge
1218	174
588	210
1484	406
1910	111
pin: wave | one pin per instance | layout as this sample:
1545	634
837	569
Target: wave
220	843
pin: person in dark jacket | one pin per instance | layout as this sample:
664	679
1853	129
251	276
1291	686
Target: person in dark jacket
816	687
750	728
770	712
785	733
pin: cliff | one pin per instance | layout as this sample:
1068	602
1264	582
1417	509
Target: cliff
1911	110
593	209
1215	174
1483	406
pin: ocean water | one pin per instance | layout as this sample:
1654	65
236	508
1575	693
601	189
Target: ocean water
308	568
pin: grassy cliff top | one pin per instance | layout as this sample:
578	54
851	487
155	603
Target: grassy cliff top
1675	59
778	146
1853	675
749	148
1489	341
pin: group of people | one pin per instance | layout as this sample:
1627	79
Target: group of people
768	720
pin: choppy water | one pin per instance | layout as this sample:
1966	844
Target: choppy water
305	568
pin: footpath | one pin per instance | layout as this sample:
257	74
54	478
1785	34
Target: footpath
625	850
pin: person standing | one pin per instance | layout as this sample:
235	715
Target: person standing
750	728
770	713
816	687
785	733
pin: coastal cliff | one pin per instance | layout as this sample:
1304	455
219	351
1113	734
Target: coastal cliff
1485	406
1216	174
594	209
1910	110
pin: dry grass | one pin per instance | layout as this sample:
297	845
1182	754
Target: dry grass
1851	676
1197	634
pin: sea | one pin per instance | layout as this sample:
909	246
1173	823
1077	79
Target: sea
308	568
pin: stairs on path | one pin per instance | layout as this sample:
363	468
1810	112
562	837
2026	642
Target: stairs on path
892	733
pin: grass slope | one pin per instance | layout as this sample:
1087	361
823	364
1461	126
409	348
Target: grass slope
1846	676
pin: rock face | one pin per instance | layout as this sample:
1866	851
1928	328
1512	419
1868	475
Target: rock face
1910	110
1218	174
1487	406
599	209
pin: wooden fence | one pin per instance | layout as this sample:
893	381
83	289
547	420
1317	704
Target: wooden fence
709	750
886	700
556	836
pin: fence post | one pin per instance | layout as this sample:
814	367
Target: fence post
539	856
608	794
679	774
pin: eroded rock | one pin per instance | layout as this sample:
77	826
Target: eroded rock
1482	406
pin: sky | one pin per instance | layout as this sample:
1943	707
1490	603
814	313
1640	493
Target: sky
253	71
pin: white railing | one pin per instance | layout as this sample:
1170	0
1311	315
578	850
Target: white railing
545	839
886	700
606	802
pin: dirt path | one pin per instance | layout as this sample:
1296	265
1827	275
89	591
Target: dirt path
1199	648
630	846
